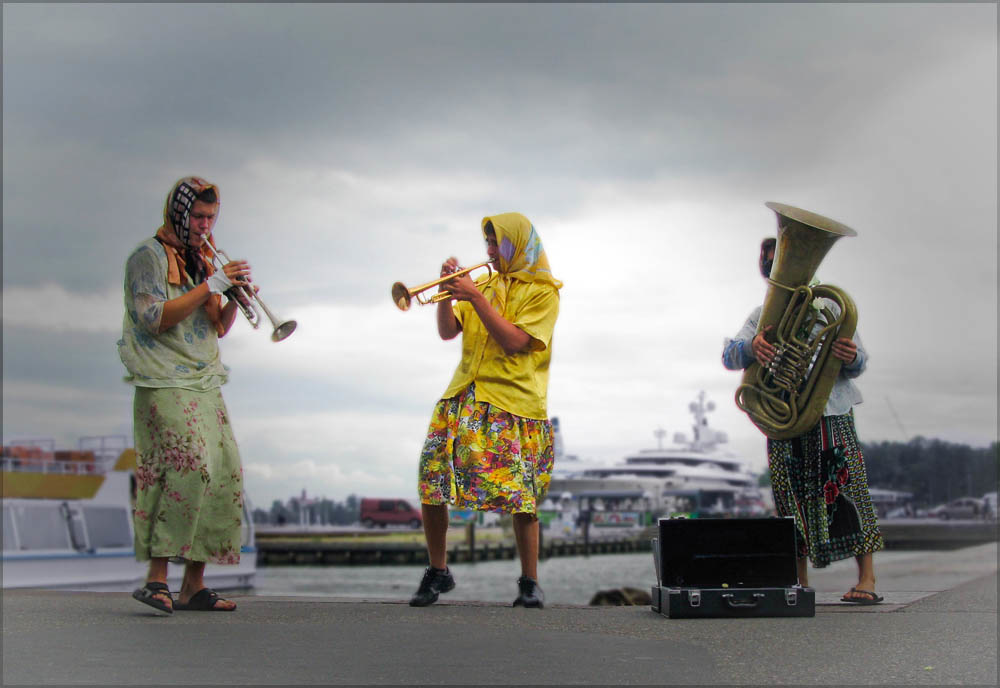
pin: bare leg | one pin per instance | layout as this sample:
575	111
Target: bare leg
157	570
194	581
158	574
802	564
436	533
526	534
866	575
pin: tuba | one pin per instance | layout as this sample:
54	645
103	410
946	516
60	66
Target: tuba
787	398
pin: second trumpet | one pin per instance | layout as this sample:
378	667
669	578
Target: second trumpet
403	296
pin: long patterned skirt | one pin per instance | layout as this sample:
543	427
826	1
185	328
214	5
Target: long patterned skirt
477	456
189	480
819	479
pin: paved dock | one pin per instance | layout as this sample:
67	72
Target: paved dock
938	626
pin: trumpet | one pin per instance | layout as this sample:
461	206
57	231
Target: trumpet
251	309
403	296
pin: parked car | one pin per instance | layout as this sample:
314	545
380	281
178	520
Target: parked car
900	512
963	507
384	511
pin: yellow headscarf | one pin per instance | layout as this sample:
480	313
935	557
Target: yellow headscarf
522	256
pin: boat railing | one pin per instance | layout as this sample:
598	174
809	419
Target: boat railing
52	466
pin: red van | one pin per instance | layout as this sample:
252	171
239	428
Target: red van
382	512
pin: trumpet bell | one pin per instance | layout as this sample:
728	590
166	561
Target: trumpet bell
283	330
401	296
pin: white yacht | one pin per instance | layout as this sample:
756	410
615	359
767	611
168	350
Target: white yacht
693	475
67	521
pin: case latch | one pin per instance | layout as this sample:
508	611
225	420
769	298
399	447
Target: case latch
694	598
791	597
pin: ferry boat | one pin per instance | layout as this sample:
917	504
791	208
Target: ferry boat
693	476
67	521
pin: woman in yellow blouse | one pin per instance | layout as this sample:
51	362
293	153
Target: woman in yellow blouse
489	445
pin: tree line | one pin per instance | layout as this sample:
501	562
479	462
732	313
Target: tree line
933	471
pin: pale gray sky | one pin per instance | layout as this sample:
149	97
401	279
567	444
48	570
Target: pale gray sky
357	145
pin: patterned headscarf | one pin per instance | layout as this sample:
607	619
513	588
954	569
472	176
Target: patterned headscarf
522	256
175	236
177	211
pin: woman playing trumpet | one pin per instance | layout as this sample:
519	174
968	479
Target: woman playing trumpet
189	479
489	445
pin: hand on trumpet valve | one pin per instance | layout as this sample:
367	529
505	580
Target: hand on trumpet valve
238	272
233	274
449	266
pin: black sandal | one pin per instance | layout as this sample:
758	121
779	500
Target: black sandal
203	601
148	594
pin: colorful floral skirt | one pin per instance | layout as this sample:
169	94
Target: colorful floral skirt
477	456
819	479
189	481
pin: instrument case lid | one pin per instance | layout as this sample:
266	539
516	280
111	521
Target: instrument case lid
727	552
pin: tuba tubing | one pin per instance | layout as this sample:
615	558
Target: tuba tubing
787	398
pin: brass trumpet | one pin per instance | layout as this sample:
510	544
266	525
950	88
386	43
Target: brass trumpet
403	296
282	329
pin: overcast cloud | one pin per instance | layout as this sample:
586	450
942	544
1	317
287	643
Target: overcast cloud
357	145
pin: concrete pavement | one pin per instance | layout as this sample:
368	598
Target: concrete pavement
940	628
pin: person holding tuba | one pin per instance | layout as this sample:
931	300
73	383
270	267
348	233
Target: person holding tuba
489	446
189	479
819	477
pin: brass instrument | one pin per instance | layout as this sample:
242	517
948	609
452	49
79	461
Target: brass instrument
403	296
251	309
787	398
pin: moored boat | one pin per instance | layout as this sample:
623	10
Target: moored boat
694	475
67	520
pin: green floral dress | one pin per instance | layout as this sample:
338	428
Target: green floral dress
189	479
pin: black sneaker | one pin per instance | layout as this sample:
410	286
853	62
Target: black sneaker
435	581
531	594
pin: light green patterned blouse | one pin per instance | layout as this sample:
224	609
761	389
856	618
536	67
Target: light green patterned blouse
187	354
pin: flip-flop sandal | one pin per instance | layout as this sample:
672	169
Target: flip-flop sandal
869	597
203	601
148	593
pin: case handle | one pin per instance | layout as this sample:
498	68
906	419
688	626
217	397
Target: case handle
732	602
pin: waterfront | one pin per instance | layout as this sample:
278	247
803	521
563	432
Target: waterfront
573	580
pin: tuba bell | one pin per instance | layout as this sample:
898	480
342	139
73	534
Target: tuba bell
787	398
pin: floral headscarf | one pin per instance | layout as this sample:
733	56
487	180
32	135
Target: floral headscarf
522	256
174	234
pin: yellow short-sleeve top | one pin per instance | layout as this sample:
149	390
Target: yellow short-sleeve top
519	383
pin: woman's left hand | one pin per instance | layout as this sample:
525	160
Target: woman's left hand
845	349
